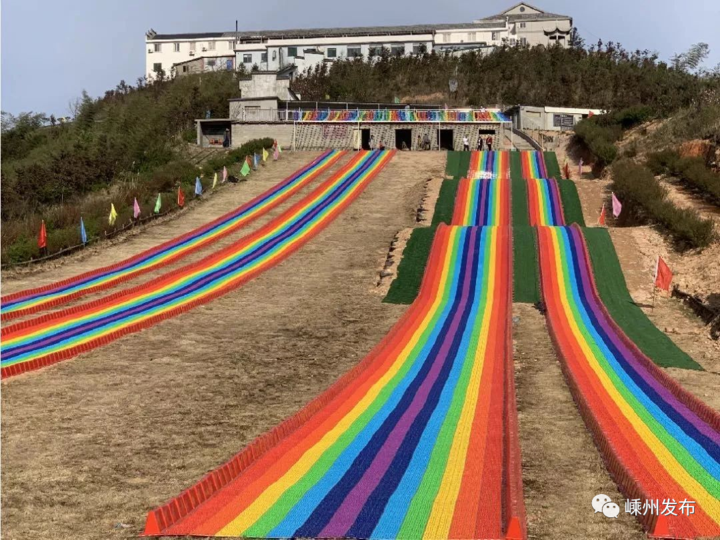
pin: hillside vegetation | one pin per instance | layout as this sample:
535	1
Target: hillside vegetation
129	143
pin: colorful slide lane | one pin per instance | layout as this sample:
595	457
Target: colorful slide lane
34	300
482	203
544	202
660	443
57	336
418	441
488	165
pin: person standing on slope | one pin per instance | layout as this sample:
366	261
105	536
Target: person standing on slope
489	142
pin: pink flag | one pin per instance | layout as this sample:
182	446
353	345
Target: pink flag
136	209
617	207
276	154
580	168
224	174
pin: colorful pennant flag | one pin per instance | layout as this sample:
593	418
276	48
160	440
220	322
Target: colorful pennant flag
181	197
225	175
663	275
601	221
580	166
265	154
255	162
214	181
567	170
617	207
279	148
42	237
113	214
276	154
158	204
83	233
136	209
198	186
245	169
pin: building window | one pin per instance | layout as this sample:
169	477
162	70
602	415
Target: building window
192	46
494	36
354	52
419	48
512	42
374	51
157	47
229	64
176	47
263	57
274	56
211	45
522	9
523	41
185	69
397	50
247	58
292	51
332	52
157	67
522	25
211	63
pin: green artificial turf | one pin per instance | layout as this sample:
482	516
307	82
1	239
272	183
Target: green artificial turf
519	202
515	165
552	165
457	164
445	204
572	209
404	289
616	297
526	276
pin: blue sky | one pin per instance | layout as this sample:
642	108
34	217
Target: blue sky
53	49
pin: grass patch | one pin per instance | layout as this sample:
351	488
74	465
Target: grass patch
519	202
552	165
445	205
526	276
457	164
516	166
404	289
572	209
616	297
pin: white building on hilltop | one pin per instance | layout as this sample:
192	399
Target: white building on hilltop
271	50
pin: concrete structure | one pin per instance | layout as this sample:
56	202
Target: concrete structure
549	118
272	50
528	25
202	64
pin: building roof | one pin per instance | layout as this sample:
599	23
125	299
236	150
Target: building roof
540	15
331	32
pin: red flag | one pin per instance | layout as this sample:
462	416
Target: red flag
567	171
601	221
181	198
663	275
42	237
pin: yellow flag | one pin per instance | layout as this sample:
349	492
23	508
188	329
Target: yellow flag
265	155
214	180
113	214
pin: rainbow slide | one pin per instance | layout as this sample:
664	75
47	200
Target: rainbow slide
419	440
488	165
659	442
482	202
34	300
53	337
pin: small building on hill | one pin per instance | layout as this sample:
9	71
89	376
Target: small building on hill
525	117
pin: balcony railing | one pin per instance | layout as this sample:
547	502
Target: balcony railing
372	115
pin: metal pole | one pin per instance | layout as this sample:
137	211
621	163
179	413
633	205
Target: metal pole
294	132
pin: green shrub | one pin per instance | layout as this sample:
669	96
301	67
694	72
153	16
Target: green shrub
691	170
641	194
662	162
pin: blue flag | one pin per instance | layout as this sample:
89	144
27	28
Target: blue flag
255	161
198	186
83	234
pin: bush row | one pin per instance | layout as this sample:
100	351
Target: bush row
19	236
642	195
600	133
688	169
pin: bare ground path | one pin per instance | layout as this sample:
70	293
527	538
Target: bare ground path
93	443
562	469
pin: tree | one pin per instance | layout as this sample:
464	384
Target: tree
575	40
690	61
